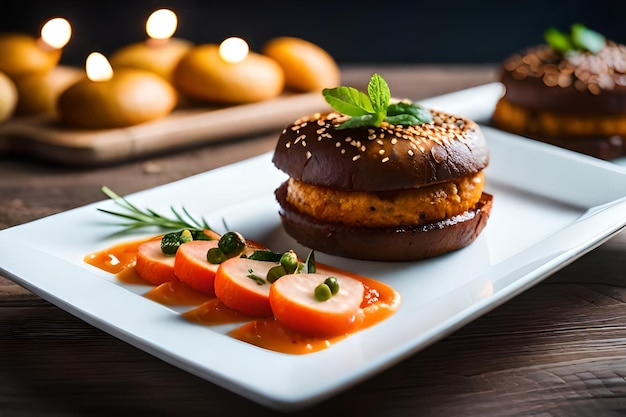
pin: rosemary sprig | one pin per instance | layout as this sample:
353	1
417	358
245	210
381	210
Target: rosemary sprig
139	218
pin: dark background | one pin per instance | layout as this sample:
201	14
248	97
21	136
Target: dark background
352	32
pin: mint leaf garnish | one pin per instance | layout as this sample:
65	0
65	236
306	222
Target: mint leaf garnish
380	96
359	121
580	38
373	108
587	39
348	100
558	40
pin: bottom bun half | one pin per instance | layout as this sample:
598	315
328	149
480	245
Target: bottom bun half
385	243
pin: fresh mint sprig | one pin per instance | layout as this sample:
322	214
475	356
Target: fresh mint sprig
373	108
580	38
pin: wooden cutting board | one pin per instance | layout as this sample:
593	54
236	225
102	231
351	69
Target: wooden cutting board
42	137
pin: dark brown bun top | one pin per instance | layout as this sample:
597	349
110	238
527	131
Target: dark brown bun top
539	78
381	158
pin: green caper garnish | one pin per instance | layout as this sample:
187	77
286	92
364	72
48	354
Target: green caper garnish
170	242
275	272
289	261
322	292
333	284
232	244
215	256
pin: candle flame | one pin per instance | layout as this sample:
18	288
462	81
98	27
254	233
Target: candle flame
56	32
234	50
98	67
161	24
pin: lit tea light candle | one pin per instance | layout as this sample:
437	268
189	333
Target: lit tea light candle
23	54
228	73
160	53
234	50
111	99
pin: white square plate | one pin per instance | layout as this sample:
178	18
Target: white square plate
550	207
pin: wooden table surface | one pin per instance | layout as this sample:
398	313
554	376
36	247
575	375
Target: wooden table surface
558	349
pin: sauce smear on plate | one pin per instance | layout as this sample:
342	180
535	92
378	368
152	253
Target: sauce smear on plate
379	302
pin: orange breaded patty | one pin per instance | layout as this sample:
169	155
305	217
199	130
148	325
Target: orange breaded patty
410	207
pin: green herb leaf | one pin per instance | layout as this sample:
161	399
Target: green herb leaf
138	218
580	38
404	120
379	93
374	108
358	121
265	255
311	266
348	100
422	114
587	39
559	41
255	277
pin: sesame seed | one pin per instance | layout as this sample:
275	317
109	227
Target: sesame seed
337	144
410	152
385	159
308	155
355	157
381	151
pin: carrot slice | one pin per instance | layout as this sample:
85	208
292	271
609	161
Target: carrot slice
192	267
293	302
240	284
153	265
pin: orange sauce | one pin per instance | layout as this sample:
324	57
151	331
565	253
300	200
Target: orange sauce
270	334
379	302
130	276
116	258
175	293
214	312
